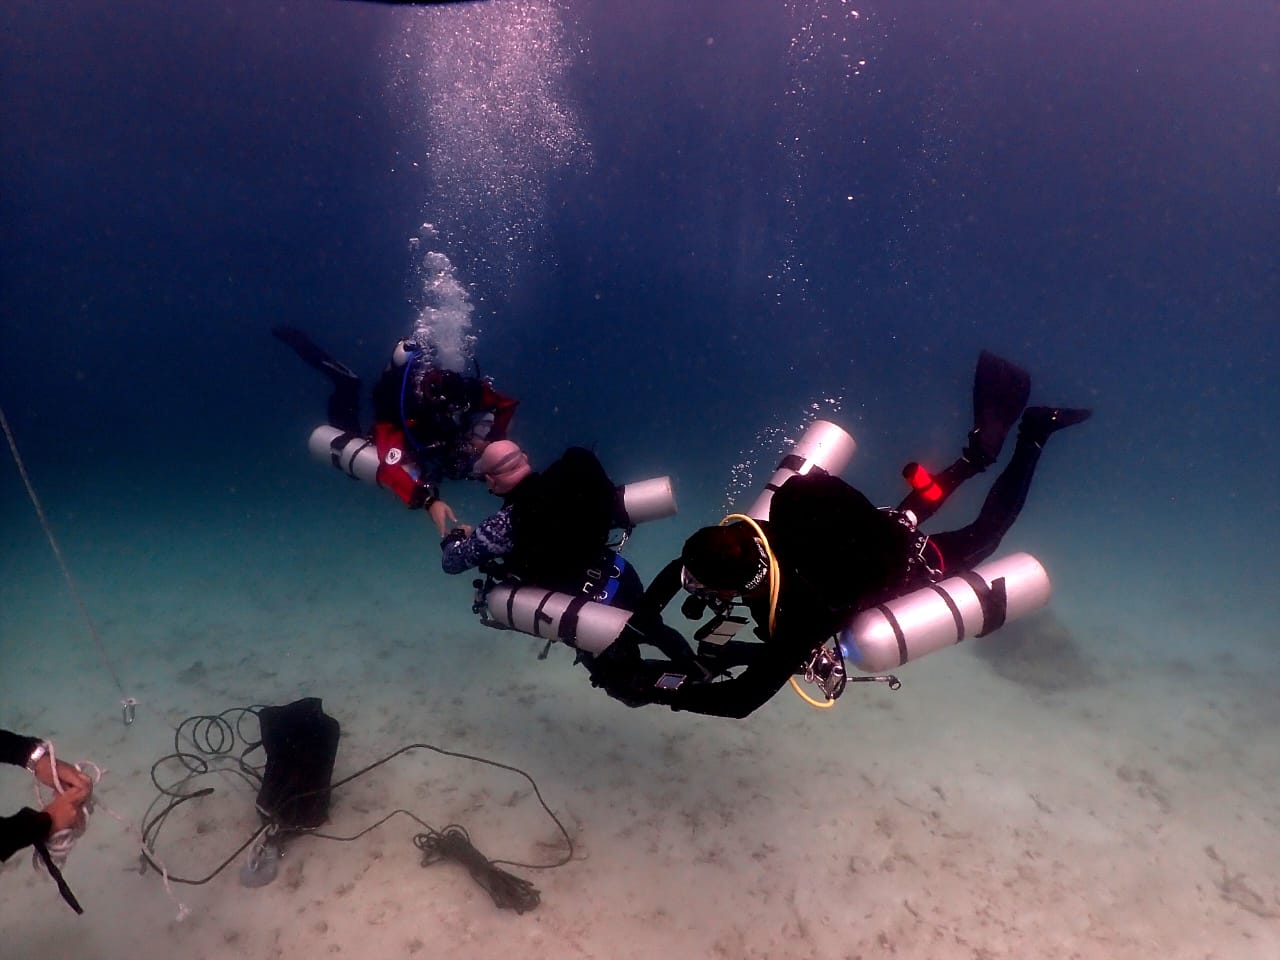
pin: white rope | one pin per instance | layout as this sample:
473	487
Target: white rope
61	842
128	703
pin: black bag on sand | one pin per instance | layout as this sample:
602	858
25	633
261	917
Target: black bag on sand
301	743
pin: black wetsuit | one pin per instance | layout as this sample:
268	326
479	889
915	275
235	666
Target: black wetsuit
837	554
27	826
556	536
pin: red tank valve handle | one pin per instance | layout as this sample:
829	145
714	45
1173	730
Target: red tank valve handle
922	482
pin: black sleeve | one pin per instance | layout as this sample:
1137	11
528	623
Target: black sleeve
26	826
15	749
661	589
626	676
386	395
22	830
744	694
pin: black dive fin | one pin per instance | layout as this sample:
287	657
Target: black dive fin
311	354
1000	392
1039	422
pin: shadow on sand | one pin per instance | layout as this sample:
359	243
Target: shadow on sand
1038	653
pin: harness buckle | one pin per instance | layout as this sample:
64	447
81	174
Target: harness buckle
826	670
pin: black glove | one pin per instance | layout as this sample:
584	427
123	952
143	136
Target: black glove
694	607
631	680
424	495
456	535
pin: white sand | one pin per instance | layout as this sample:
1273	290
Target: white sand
964	816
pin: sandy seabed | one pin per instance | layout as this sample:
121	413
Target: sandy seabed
1013	800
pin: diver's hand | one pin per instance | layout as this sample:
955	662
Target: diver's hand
69	776
442	516
67	810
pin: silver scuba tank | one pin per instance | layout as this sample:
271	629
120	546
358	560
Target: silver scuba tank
646	500
822	446
551	615
353	454
969	604
356	456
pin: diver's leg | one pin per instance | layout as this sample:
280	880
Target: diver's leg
344	405
344	402
1000	391
971	545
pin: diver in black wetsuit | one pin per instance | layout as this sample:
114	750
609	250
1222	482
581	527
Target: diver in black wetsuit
836	554
553	532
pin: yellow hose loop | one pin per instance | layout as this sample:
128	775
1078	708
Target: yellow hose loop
775	582
775	575
820	704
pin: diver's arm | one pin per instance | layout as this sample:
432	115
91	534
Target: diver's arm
26	826
503	408
442	515
741	696
635	681
489	541
393	455
662	588
16	749
638	682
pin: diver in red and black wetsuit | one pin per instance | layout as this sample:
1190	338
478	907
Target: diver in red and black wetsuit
430	424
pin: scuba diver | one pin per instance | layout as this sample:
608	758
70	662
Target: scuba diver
553	532
825	553
430	423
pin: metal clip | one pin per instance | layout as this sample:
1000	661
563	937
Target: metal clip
480	603
128	708
826	669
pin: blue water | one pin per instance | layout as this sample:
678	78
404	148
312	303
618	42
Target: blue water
683	228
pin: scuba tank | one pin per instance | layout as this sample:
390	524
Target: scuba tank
823	447
581	623
970	604
646	500
357	456
353	454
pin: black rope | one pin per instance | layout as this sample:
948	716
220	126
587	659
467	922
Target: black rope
58	878
215	738
507	891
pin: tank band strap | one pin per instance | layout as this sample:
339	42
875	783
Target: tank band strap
993	598
511	608
338	446
955	611
539	618
901	637
568	631
793	463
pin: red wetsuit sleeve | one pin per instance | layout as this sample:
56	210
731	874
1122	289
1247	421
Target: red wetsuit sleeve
503	407
392	455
